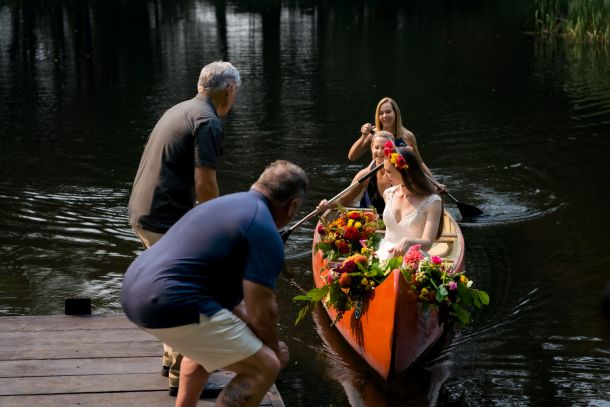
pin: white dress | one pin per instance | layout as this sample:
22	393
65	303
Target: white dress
411	225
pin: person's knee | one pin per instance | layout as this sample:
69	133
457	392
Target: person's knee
268	364
261	369
191	368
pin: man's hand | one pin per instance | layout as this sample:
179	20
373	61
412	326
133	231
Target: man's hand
240	311
283	355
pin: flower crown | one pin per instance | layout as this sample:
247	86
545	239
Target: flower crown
389	150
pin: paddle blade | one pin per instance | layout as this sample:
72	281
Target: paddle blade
285	234
468	211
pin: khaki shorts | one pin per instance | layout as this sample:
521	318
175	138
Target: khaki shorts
214	343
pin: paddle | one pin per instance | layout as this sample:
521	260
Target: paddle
466	210
286	233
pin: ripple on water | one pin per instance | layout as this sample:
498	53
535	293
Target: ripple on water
56	244
520	198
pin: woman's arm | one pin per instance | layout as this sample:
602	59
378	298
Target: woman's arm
361	145
428	236
349	197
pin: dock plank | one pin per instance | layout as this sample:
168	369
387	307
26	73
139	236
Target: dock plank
64	322
78	367
136	399
84	350
86	361
107	335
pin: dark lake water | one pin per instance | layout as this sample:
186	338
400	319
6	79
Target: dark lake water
517	126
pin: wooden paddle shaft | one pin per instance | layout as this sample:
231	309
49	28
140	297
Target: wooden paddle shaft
338	196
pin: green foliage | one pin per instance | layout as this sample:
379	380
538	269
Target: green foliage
312	296
432	279
579	20
438	285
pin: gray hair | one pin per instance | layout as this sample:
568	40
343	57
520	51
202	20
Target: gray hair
218	75
385	135
284	181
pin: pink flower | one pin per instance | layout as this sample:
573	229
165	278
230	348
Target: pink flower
413	255
452	286
436	260
348	267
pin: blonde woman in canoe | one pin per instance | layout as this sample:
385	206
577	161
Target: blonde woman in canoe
370	192
388	118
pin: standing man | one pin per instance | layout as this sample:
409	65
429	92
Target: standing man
178	167
187	289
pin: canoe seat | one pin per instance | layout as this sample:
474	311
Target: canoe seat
447	238
441	249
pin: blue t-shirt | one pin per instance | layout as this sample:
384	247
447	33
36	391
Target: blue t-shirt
199	265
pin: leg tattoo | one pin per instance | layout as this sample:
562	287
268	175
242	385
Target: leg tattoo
238	392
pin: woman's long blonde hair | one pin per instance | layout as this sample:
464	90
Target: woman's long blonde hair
398	119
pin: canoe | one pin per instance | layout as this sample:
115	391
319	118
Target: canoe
393	330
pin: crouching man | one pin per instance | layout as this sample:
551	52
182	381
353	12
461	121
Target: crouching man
187	288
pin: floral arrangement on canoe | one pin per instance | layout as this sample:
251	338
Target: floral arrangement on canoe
349	233
435	283
348	284
351	282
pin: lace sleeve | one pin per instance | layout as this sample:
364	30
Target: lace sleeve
388	193
429	200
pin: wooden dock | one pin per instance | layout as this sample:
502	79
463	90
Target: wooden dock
100	360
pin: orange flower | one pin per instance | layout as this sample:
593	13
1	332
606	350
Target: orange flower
345	280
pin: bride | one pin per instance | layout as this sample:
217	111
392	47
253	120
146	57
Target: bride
413	210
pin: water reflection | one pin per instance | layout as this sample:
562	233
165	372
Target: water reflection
418	386
513	125
57	245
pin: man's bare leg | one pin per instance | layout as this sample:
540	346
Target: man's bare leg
192	379
255	375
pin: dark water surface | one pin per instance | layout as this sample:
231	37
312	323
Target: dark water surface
516	126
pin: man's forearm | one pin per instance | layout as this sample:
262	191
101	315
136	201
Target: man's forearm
208	192
266	330
206	186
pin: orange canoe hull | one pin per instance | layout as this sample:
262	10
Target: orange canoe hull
393	330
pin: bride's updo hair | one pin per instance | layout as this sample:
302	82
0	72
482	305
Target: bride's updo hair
416	180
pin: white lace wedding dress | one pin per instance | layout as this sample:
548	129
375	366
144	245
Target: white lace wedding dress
411	225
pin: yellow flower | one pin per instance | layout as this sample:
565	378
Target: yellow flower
424	292
357	225
364	281
366	251
350	222
393	158
463	279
